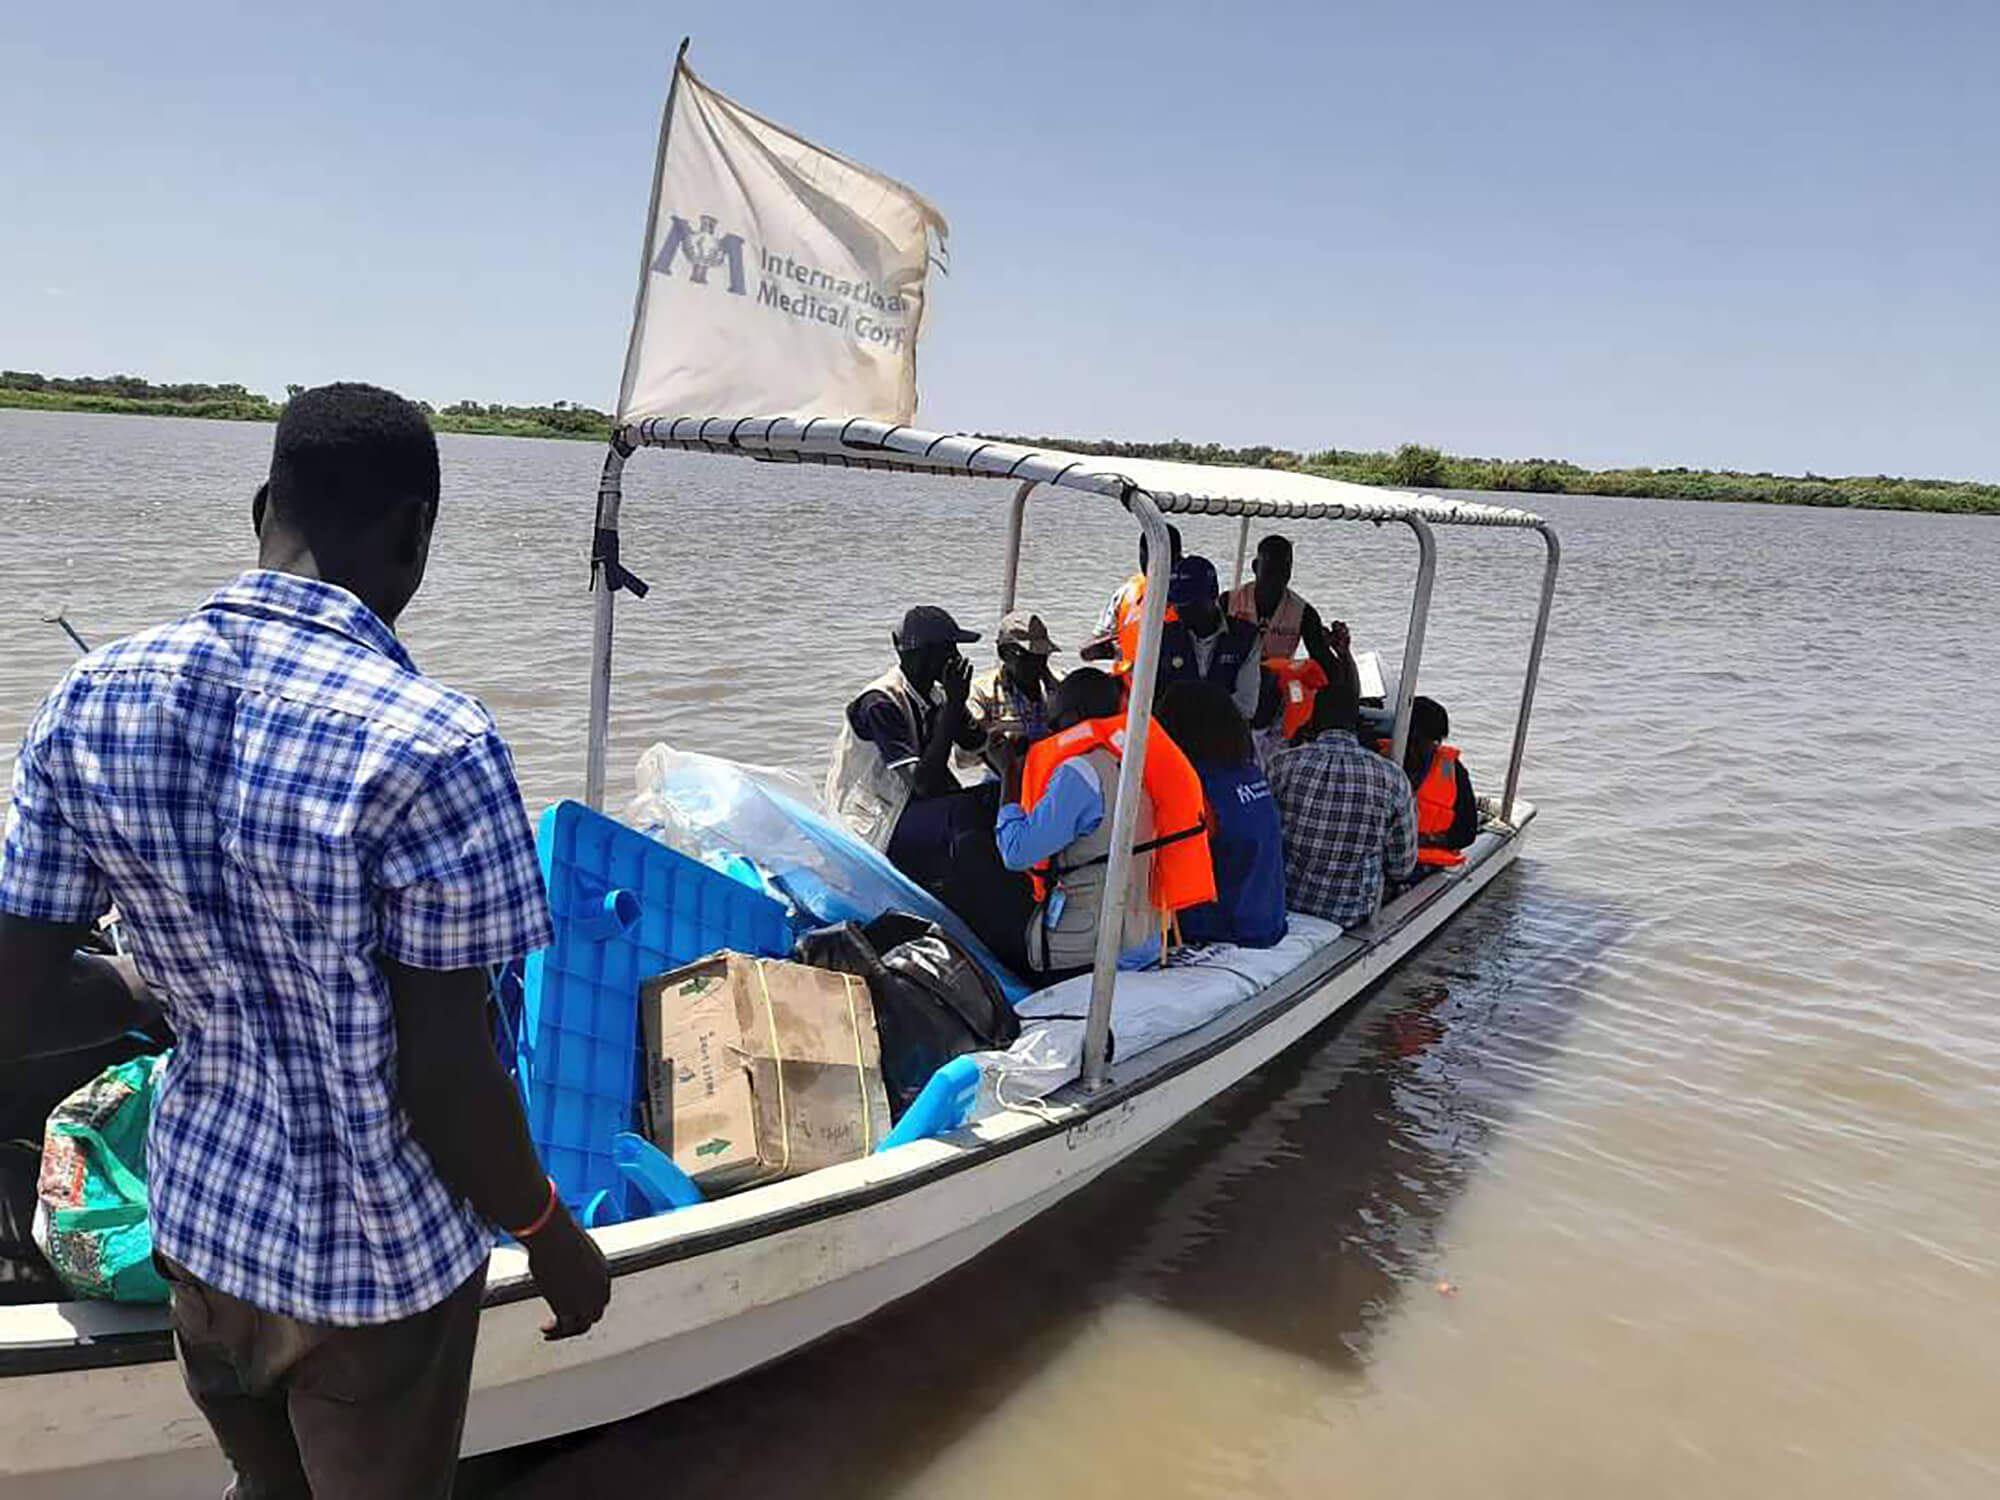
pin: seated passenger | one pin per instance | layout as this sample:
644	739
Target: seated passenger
1117	630
1013	698
1204	644
1350	821
1061	803
896	737
1244	837
1447	809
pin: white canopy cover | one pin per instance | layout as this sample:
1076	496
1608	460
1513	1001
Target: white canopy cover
777	276
1182	488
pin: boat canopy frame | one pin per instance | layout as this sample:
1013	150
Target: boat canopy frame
1150	490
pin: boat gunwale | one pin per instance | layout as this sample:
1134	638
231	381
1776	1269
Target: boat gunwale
1070	1108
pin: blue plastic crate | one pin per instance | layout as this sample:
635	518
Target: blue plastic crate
626	908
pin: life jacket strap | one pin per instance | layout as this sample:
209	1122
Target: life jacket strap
1052	871
1057	869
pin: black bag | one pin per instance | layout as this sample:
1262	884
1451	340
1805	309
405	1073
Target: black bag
933	1001
24	1275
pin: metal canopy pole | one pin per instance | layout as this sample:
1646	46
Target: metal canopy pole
1534	671
1016	517
605	578
1131	787
1242	552
1413	643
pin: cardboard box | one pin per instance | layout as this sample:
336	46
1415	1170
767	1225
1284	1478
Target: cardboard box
758	1069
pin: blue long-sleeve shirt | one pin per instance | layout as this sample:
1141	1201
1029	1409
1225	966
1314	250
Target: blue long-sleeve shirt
1071	808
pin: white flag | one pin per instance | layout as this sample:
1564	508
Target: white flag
779	279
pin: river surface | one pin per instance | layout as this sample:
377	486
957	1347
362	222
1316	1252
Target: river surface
1671	1168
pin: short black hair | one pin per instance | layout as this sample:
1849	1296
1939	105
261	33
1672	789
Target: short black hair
1275	545
1091	693
1204	721
347	454
1337	705
1428	720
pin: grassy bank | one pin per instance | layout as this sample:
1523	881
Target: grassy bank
244	408
130	395
1412	466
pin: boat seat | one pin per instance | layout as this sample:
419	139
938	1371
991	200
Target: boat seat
1149	1007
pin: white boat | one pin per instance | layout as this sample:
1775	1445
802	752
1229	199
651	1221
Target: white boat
91	1402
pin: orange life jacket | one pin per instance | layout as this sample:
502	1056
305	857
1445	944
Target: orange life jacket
1299	680
1183	872
1437	808
1131	601
1437	805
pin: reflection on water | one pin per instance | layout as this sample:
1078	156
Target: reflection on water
1691	1116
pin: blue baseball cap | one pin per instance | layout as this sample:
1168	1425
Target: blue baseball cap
1193	581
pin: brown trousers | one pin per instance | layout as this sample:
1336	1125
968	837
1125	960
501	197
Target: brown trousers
309	1412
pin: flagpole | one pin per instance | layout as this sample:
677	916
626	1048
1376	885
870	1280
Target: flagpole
607	576
648	241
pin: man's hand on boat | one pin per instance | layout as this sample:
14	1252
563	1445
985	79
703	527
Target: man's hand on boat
465	1113
571	1275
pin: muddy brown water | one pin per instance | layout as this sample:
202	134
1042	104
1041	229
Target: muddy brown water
1671	1168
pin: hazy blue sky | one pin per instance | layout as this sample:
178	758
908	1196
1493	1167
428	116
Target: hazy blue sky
1751	234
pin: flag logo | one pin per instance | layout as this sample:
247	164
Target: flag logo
704	251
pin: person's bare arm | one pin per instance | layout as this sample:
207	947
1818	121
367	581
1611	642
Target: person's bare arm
1320	642
465	1114
54	998
1340	645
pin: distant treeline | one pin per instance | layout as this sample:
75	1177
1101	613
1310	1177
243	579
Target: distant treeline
129	393
559	419
1412	466
132	394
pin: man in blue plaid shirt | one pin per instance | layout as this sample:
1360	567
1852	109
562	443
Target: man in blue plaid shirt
316	851
1349	816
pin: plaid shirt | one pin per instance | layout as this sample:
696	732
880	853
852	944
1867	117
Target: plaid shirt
1349	818
274	796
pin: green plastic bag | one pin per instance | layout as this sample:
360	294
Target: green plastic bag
90	1217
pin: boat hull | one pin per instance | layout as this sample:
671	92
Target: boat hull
736	1295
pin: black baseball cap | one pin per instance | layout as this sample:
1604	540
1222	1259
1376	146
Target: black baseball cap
928	625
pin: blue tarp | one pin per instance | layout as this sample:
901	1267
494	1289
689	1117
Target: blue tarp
719	811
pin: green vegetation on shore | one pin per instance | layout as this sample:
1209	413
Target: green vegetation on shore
1411	466
130	395
1414	466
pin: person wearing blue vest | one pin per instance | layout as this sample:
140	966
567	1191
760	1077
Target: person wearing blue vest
1245	838
1204	644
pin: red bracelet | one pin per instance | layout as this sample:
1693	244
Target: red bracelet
541	1219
